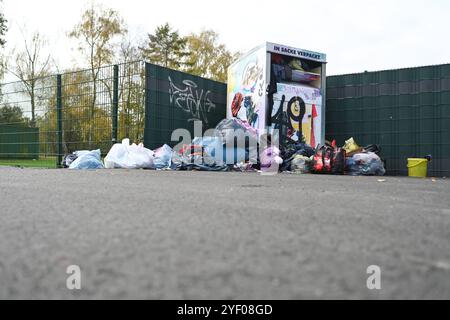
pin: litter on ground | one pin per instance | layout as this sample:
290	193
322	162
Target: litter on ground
220	152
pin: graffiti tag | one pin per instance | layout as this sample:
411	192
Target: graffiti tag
253	78
191	99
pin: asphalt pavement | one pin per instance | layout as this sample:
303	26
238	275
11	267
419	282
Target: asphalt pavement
209	235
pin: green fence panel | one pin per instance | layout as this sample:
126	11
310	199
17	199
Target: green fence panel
19	142
174	100
406	111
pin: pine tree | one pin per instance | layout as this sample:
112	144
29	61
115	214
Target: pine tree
165	48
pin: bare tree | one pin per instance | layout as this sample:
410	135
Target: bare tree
128	51
129	88
31	66
95	32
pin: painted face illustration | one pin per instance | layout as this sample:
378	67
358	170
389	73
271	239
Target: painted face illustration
236	104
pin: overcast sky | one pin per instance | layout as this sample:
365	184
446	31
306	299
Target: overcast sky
357	35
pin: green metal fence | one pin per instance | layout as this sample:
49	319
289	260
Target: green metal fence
19	142
406	111
93	109
24	121
176	99
43	119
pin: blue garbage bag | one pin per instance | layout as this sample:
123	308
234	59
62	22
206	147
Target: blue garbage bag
211	146
219	153
365	164
163	157
237	155
87	160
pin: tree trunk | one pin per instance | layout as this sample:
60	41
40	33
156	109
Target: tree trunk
33	105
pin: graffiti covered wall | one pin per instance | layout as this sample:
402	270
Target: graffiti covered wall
246	89
174	100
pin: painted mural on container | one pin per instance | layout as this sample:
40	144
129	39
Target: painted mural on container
302	106
246	89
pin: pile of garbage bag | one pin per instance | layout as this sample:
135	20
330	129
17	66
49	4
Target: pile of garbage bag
239	141
351	159
365	161
225	150
233	146
200	155
297	156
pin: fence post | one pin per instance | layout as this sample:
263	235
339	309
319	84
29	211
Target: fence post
59	143
147	126
115	104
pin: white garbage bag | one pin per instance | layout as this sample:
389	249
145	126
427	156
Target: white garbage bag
126	156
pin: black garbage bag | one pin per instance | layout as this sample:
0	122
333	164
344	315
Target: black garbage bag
195	157
338	161
375	148
293	148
